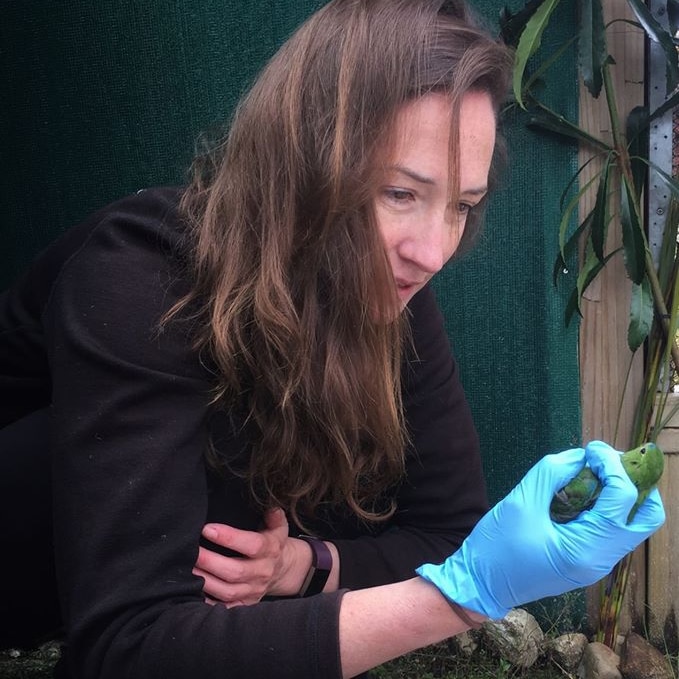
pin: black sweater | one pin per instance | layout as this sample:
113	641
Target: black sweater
129	415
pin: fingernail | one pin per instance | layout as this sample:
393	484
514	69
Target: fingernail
210	532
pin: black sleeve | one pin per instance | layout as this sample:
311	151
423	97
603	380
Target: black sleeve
128	414
444	493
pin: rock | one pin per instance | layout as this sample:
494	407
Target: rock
642	660
566	650
599	662
466	643
517	638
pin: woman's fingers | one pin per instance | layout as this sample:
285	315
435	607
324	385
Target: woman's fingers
229	593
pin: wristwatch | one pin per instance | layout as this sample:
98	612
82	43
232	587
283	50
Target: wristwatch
321	565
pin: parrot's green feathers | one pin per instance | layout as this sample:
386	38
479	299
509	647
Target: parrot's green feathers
644	466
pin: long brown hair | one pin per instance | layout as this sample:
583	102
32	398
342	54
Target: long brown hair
295	293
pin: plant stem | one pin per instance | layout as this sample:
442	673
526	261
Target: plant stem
620	144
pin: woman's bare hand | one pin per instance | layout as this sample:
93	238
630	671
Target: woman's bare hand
267	564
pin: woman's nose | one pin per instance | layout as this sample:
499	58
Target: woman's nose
432	244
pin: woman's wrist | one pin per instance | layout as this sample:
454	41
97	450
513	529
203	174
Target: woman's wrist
472	619
298	557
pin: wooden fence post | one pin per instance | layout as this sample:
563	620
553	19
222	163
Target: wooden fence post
663	547
608	395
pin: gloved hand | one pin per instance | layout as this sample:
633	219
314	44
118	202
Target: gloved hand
516	554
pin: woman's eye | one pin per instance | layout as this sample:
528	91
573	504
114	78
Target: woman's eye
399	196
464	208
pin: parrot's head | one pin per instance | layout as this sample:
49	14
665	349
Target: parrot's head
644	465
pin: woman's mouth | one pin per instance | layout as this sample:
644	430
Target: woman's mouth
406	289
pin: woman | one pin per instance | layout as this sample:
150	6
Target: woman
260	357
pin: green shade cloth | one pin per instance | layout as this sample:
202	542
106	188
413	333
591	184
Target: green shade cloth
99	99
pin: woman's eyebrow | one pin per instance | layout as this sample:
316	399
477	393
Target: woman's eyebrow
415	176
475	191
423	179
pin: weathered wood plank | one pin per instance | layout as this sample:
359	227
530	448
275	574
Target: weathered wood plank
663	564
663	547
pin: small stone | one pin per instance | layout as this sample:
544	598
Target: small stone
517	638
642	660
466	643
566	650
599	662
14	653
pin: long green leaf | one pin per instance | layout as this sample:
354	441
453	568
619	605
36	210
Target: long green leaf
529	42
600	213
637	138
672	184
673	15
592	45
567	189
632	236
589	270
658	34
566	216
541	68
512	25
568	250
572	307
641	314
669	105
547	120
588	273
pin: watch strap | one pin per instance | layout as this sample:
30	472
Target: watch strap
321	565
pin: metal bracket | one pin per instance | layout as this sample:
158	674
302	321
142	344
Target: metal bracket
660	138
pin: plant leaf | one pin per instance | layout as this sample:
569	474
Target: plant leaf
512	25
566	218
637	126
592	45
588	273
589	270
529	43
658	34
632	236
600	213
641	314
667	106
673	15
671	182
572	307
568	249
547	120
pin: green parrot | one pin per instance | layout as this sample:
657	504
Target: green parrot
644	466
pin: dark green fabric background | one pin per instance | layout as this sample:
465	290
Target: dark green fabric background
99	99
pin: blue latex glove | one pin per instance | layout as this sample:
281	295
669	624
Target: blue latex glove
516	554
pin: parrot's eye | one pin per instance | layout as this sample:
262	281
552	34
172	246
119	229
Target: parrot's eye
643	450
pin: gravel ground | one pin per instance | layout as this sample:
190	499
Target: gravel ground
36	664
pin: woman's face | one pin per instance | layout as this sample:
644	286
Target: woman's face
421	229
